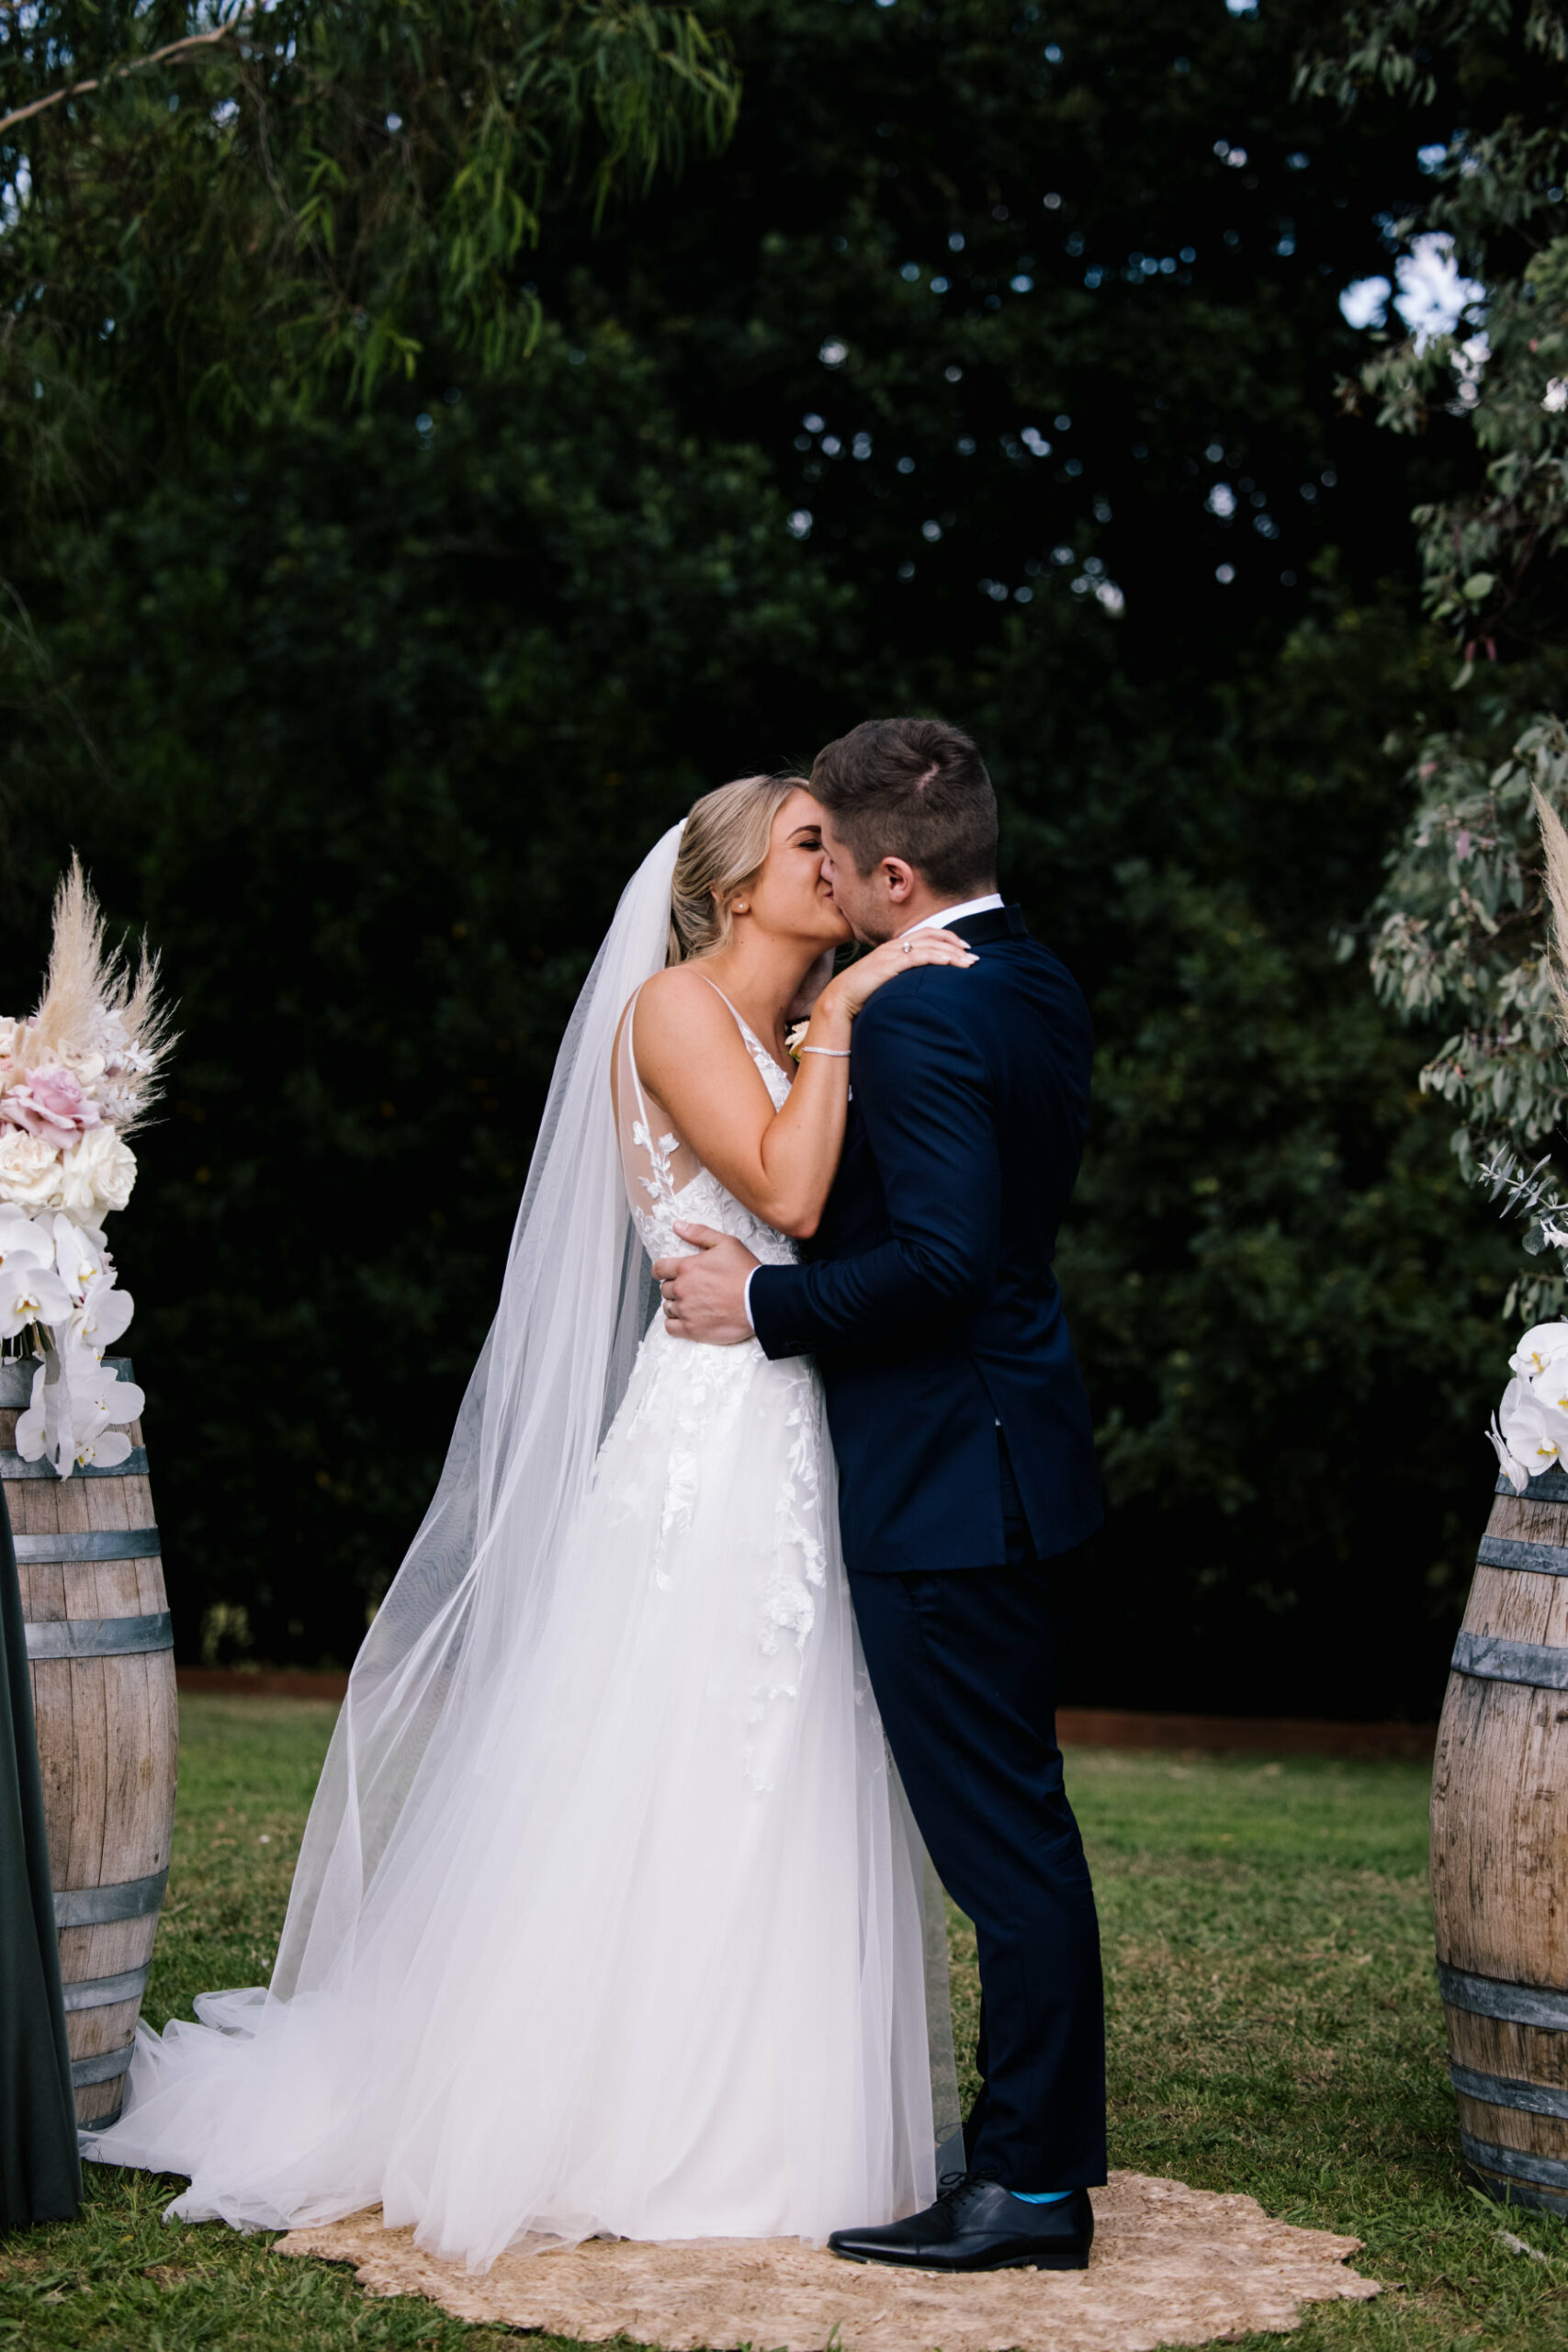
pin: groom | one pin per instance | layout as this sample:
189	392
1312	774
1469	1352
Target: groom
965	1460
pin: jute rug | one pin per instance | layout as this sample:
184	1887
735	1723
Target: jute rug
1171	2265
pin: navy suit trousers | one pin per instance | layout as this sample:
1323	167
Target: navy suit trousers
962	1664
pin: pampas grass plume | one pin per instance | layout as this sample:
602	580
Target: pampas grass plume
88	979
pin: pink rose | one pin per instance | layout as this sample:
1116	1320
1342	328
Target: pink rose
50	1104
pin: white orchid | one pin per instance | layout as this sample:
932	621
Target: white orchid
1515	1471
1534	1430
74	1417
31	1433
102	1318
21	1238
81	1257
29	1293
1544	1346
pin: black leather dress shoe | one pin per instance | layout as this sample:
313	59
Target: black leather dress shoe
978	2225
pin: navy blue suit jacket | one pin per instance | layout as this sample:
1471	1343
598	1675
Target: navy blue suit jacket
927	1296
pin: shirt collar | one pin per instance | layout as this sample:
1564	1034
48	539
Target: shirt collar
944	915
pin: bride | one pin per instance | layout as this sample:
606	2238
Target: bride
609	1917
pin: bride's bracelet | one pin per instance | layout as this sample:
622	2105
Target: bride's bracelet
834	1053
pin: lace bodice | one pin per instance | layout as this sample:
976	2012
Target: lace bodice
665	1180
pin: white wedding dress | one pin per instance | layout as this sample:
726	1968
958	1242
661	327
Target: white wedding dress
638	1945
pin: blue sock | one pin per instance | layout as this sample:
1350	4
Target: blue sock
1047	2197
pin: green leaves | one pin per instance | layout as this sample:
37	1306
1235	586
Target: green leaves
290	208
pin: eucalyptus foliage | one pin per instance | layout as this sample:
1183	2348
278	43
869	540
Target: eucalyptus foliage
1460	928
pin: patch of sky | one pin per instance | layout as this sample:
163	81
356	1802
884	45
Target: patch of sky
910	272
833	353
1220	500
798	525
1433	296
939	285
1035	441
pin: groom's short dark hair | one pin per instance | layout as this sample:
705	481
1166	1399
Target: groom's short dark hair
912	788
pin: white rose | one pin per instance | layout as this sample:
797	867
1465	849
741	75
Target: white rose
98	1172
30	1169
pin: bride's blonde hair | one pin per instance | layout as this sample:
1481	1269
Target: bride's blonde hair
722	851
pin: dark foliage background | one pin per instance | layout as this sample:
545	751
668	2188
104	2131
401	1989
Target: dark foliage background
368	712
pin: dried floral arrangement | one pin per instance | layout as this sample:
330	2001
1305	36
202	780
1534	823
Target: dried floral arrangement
76	1078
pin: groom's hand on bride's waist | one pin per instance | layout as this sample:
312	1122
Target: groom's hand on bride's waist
705	1296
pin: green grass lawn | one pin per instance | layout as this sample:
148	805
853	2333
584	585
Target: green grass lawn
1274	2029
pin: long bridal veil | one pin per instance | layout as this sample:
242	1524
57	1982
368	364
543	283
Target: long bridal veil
438	1696
479	1575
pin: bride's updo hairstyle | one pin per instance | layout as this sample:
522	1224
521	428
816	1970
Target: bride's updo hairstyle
722	851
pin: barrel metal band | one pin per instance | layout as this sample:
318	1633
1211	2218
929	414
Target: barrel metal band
102	1543
1547	1487
97	1907
1546	2172
101	1992
100	1637
1505	2090
101	2070
1543	1666
1532	1559
1489	1996
13	1467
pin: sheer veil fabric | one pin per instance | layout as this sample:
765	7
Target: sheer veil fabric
609	1916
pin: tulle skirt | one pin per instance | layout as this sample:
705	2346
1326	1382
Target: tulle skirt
655	1966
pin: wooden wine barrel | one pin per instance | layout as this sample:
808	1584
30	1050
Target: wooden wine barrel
1500	1852
101	1653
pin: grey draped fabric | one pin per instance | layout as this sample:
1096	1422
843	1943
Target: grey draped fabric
40	2178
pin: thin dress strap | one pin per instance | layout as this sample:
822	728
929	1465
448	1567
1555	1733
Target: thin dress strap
754	1045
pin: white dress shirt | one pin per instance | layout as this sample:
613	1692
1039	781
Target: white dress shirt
937	922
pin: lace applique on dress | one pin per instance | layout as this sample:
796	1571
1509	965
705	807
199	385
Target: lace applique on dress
686	1402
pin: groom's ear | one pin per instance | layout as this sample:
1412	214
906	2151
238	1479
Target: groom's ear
900	879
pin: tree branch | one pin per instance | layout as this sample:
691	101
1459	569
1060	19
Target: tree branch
176	51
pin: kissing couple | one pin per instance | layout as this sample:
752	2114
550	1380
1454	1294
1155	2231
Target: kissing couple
614	1914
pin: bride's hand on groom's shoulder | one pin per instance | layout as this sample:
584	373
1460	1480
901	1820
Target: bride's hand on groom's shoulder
862	979
705	1296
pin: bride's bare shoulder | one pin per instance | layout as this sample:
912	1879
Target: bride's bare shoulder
679	1006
